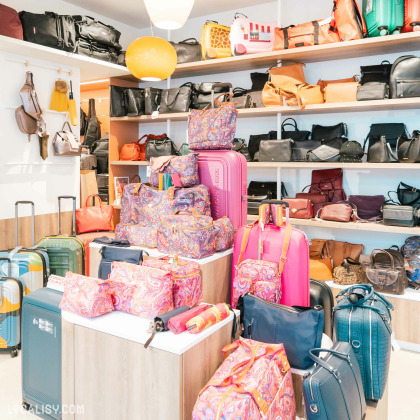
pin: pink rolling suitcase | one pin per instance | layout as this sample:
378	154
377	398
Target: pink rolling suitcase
224	172
295	274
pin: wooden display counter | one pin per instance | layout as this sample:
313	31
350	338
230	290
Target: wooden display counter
108	372
216	271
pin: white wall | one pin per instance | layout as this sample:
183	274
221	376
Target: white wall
367	182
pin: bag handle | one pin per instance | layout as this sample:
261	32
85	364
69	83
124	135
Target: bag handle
381	251
311	186
141	138
324	364
366	287
68	125
293	123
167	97
191	41
93	195
63	197
9	266
239	14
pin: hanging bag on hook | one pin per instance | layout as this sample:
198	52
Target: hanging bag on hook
93	129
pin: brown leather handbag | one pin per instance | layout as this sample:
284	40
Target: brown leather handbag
271	95
302	94
339	250
341	92
299	208
317	197
291	73
337	212
324	83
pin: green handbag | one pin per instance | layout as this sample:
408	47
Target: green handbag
183	150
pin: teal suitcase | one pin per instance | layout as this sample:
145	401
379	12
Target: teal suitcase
11	296
65	252
383	17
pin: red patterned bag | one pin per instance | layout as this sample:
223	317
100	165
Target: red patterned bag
86	296
224	234
144	204
254	382
186	276
137	235
142	291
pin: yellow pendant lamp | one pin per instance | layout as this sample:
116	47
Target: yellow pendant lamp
151	58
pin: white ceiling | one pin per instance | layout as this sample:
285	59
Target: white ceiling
133	12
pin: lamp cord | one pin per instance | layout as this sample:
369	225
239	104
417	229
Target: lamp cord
151	27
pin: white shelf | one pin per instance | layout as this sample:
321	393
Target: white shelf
129	163
344	165
90	68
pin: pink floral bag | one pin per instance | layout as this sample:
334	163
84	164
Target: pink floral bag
137	235
185	235
186	276
142	291
224	233
212	128
185	166
86	296
144	204
254	382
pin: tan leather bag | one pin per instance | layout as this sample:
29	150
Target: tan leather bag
341	92
302	95
271	95
338	251
292	73
320	269
324	83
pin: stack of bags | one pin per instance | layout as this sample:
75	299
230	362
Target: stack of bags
173	212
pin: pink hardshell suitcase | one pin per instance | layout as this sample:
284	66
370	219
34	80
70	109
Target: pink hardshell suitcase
295	274
224	172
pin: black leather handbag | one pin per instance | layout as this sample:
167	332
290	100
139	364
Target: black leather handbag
95	50
176	99
259	191
93	128
118	106
275	150
49	29
294	134
372	91
405	77
157	146
408	195
135	100
111	254
93	30
259	80
205	93
151	99
255	140
351	151
187	51
380	152
329	151
391	131
242	99
377	73
240	146
300	148
409	149
326	133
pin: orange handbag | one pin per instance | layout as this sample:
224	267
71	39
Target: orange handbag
321	269
271	95
130	152
94	218
324	83
142	147
348	21
341	92
302	95
317	32
291	73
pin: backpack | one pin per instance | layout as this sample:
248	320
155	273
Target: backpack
93	128
348	20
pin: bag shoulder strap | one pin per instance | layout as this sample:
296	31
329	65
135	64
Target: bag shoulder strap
285	248
245	241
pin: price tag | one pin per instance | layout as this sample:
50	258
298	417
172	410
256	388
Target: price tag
155	114
148	171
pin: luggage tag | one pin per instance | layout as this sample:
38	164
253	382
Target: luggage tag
148	171
176	180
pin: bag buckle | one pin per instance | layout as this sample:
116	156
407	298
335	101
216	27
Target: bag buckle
336	373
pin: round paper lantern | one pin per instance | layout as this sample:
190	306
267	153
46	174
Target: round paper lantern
169	14
151	58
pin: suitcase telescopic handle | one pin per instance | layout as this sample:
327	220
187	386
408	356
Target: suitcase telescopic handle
17	221
280	202
9	265
65	197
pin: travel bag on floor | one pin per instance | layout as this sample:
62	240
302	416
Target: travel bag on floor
187	289
383	17
31	265
10	308
334	389
295	274
362	318
225	174
411	16
65	252
144	204
254	382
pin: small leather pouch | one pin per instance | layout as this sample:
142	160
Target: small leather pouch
299	208
341	92
337	212
372	91
275	150
178	323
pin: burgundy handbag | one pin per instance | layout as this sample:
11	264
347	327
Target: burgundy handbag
338	212
10	24
317	197
329	181
368	206
299	208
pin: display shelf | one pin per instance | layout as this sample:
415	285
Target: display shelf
129	163
90	68
367	227
344	165
326	108
337	51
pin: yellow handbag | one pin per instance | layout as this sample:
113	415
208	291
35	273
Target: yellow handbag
215	41
320	269
271	95
341	92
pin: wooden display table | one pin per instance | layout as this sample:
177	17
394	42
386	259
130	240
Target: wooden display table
107	371
216	271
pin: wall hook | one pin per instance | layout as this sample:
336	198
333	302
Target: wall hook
27	63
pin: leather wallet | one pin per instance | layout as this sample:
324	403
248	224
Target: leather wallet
178	323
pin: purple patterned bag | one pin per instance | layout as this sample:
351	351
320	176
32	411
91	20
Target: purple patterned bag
142	204
185	235
212	129
137	235
224	233
185	166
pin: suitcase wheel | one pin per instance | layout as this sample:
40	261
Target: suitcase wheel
397	31
383	30
13	353
25	406
416	28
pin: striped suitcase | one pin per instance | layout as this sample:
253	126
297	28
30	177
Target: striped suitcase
29	264
11	296
65	252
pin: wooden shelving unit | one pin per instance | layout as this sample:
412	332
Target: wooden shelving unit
367	227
